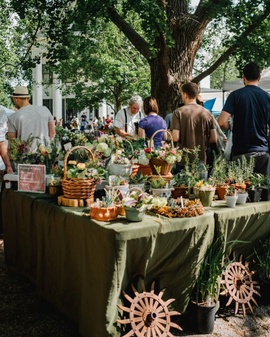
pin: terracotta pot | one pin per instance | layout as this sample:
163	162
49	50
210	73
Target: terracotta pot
104	213
135	170
145	169
221	191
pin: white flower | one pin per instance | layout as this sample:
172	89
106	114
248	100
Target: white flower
102	147
171	159
142	159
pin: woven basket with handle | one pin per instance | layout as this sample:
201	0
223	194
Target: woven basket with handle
165	168
74	188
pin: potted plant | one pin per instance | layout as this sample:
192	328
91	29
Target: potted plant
182	183
118	183
161	187
121	159
55	187
242	196
205	191
105	209
219	175
262	260
138	180
136	203
231	197
265	185
255	190
208	285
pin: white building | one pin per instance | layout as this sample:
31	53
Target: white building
47	91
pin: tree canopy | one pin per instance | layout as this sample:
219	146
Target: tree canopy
168	34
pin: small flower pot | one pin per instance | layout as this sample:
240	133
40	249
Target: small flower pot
123	170
242	198
206	197
162	192
145	169
221	191
55	190
133	214
104	213
231	200
254	195
265	194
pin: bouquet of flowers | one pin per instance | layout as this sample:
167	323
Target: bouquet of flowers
167	153
20	150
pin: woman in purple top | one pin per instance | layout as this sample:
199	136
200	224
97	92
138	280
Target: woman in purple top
152	122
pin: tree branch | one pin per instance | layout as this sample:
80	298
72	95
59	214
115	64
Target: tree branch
139	43
225	56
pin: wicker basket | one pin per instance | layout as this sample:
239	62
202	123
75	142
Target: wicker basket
75	188
165	168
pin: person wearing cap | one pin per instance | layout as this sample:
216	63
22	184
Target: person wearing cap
36	121
127	120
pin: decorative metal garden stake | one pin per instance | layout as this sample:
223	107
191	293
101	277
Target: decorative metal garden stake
148	314
239	285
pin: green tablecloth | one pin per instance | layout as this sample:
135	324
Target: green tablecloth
249	222
82	266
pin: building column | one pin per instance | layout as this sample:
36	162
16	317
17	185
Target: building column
37	95
57	99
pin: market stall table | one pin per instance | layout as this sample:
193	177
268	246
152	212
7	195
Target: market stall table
248	222
82	266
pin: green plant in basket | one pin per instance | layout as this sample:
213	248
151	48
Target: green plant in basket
87	170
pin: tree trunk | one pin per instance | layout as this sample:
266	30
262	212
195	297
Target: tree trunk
173	65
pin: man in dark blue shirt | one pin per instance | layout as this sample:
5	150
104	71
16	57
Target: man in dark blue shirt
249	108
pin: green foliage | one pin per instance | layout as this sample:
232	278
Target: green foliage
138	178
241	170
262	259
212	266
168	36
219	174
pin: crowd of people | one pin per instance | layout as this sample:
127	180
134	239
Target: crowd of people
191	125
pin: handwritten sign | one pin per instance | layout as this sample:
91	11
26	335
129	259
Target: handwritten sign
32	178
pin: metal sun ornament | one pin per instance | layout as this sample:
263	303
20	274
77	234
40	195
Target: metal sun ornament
149	315
239	285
